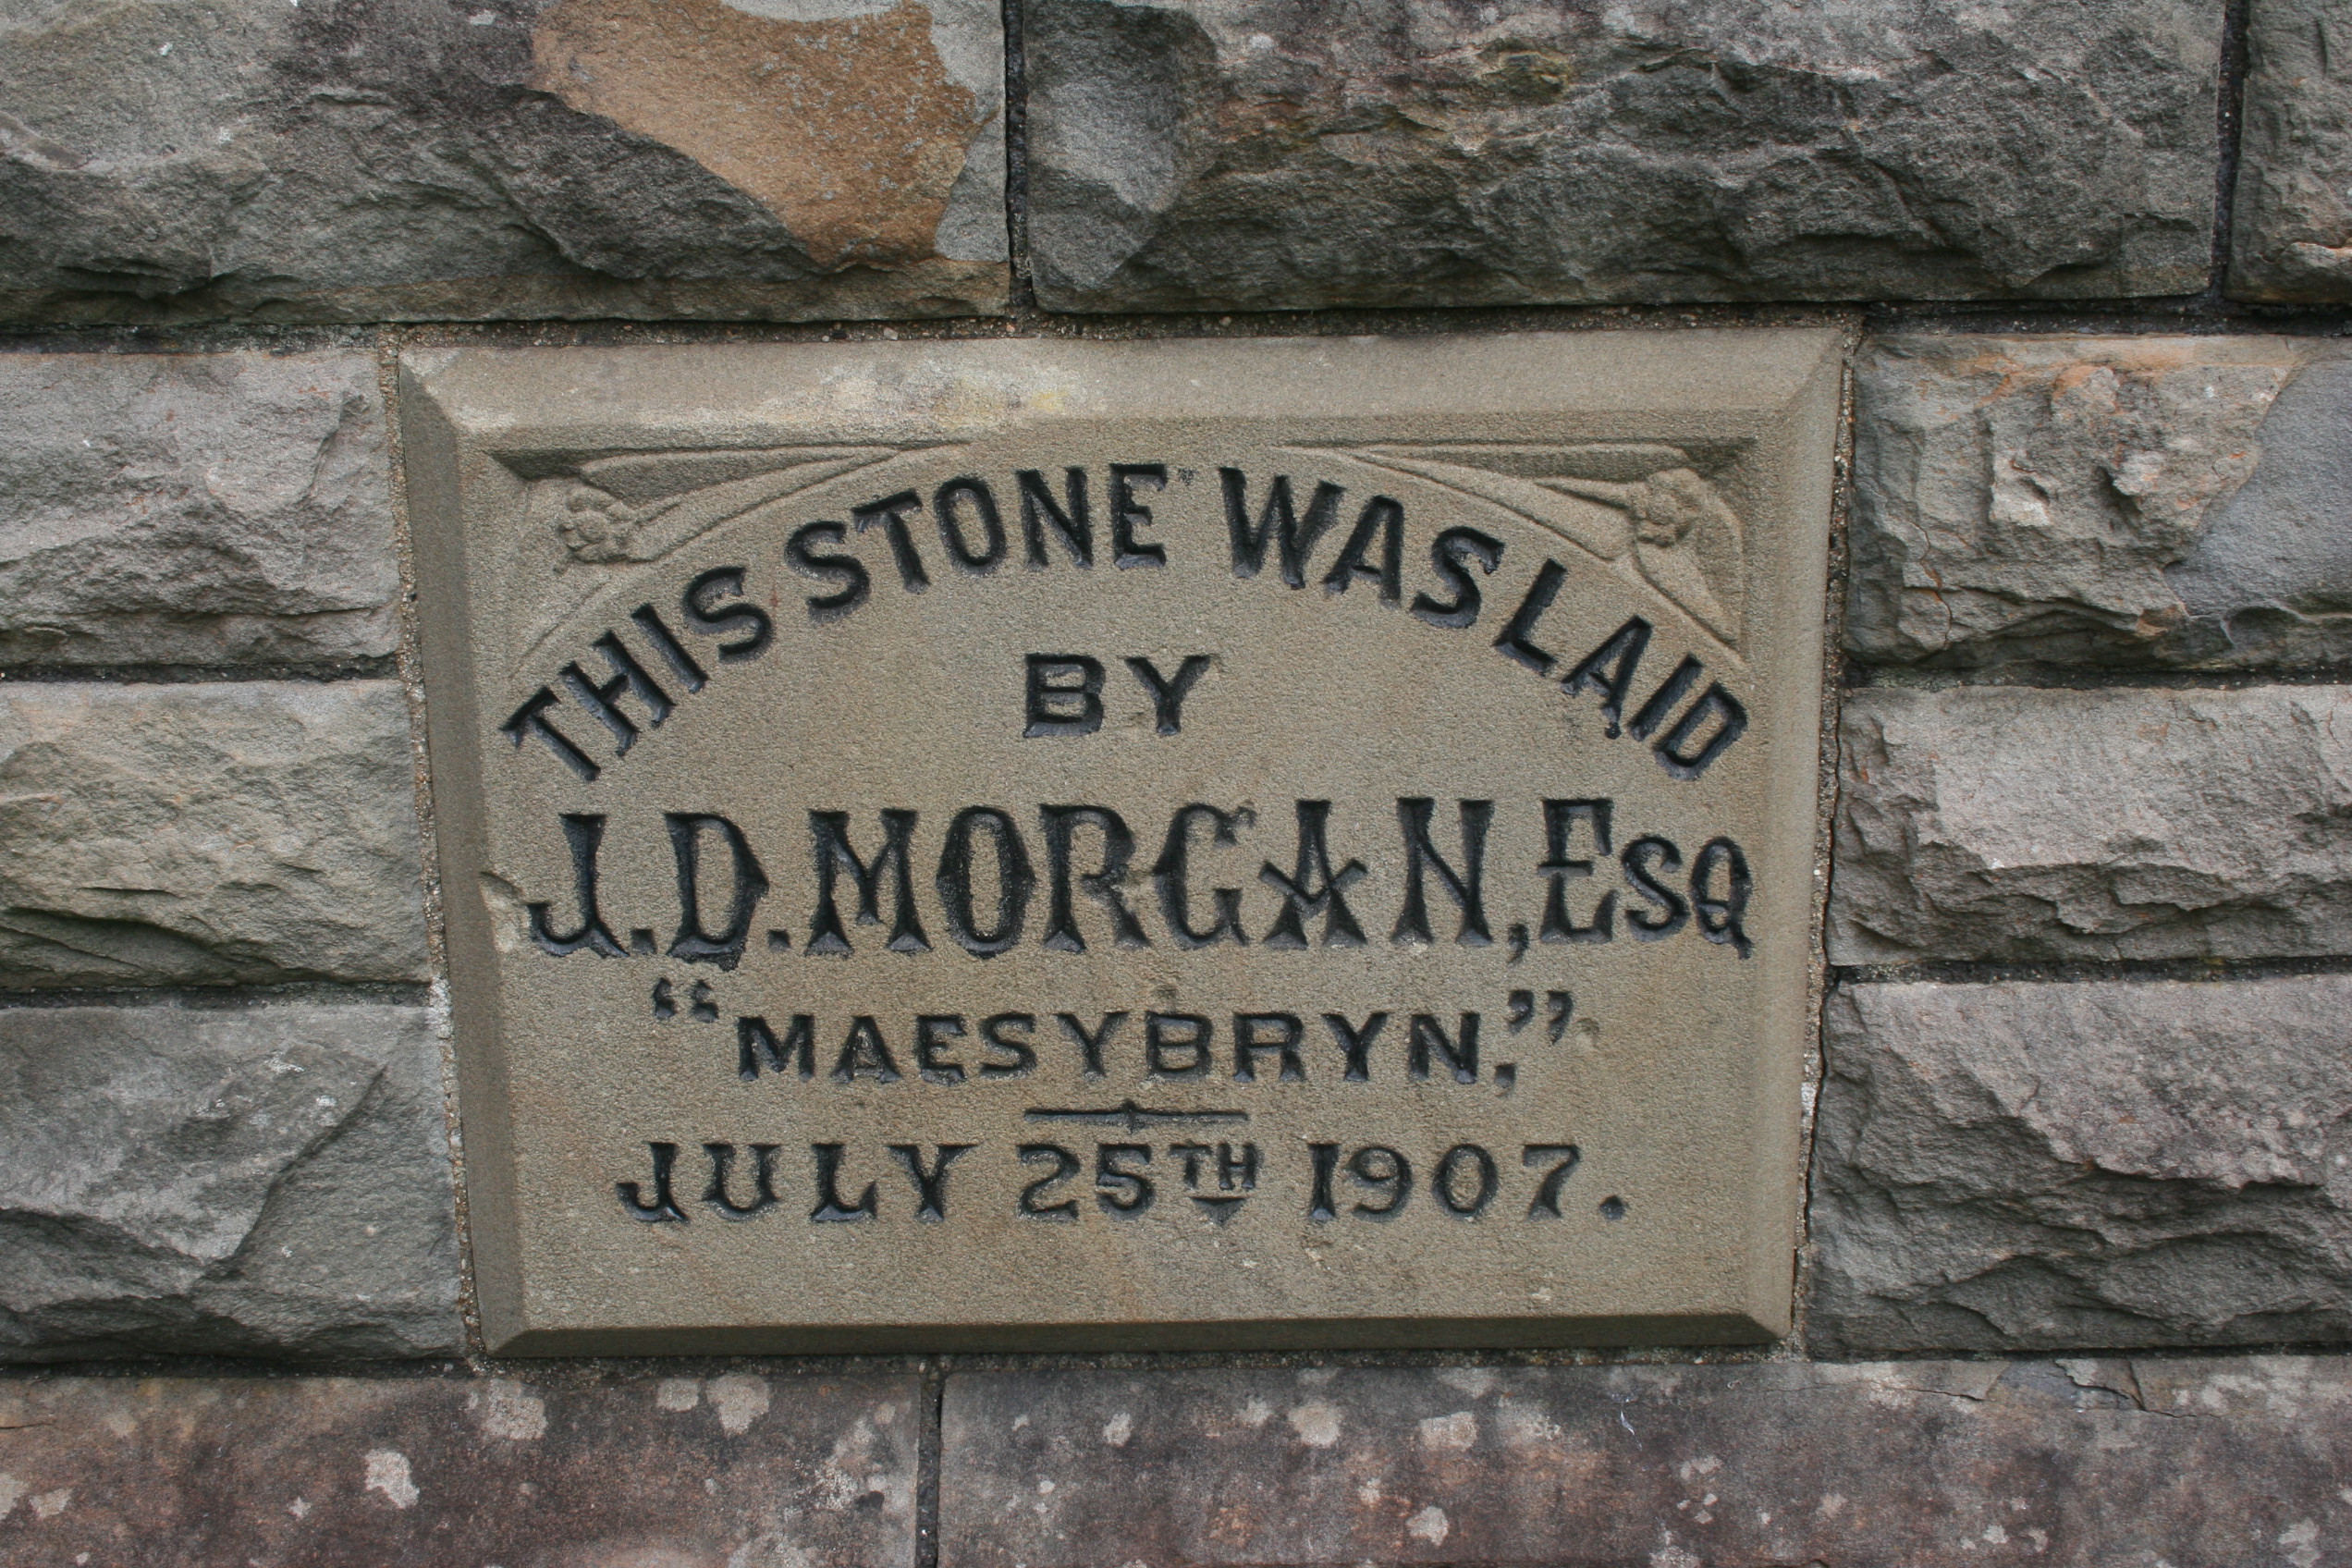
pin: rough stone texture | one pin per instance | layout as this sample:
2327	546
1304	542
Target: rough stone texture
1258	153
2292	229
2098	1163
357	160
752	1468
202	509
2010	824
266	1182
1923	1463
2179	502
207	834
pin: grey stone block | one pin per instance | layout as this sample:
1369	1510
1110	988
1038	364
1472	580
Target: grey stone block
207	834
2006	822
2151	502
199	509
2096	1163
585	1468
365	160
2292	230
2088	1463
1255	153
266	1182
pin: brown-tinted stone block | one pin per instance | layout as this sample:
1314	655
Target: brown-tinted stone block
1920	1464
745	1469
403	160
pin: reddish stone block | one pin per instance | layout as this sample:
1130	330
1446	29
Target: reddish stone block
745	1469
2216	1460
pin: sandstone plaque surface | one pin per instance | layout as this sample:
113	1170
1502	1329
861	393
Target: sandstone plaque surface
1030	844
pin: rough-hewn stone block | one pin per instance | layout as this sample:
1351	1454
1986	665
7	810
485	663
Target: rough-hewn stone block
196	508
207	834
1924	1464
2010	823
745	1469
1253	154
2101	1163
272	1180
2137	501
420	159
2293	218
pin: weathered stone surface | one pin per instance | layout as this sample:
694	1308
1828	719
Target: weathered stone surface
1256	153
206	834
272	1180
197	509
2100	1163
417	159
2082	1463
2137	501
2292	237
2011	823
1342	1104
748	1468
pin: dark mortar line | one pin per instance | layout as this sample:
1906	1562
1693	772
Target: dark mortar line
202	337
1987	971
2189	316
930	1453
387	668
226	999
2065	678
2199	314
2230	116
935	1373
1024	293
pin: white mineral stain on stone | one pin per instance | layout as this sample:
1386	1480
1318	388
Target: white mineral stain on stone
1430	1524
388	1472
1996	1535
740	1399
1256	1412
1675	1557
1526	1426
299	1508
11	1492
121	1423
1475	1382
1118	1429
675	1394
1833	1504
1317	1425
1459	1430
48	1505
2300	1542
1368	1493
511	1411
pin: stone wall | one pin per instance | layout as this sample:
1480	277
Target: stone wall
2077	1282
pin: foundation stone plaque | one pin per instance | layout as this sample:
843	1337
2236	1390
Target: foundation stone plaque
1035	844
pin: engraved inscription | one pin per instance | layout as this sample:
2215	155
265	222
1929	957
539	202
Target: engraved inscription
1038	844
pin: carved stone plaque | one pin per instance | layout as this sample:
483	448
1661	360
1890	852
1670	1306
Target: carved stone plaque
1037	844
